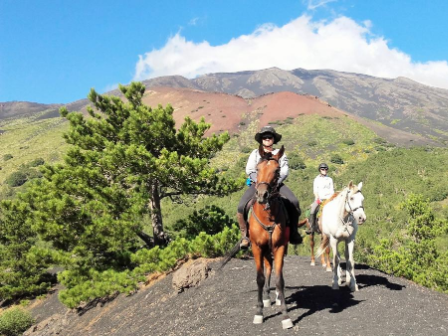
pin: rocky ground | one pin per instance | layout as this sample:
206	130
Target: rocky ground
224	304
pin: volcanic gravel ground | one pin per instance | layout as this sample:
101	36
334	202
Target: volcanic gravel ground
224	304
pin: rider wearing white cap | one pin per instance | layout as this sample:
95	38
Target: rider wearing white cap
322	189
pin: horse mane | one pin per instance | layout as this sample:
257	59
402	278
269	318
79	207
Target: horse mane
331	198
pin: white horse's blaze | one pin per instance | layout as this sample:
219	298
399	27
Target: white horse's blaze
340	219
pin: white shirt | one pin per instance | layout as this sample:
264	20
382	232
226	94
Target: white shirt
323	187
254	158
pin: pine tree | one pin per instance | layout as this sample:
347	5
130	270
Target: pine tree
126	157
23	269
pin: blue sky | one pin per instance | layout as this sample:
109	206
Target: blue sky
54	51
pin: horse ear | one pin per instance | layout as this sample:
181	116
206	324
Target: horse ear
350	185
280	153
360	186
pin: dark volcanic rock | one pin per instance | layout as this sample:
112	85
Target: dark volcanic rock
224	304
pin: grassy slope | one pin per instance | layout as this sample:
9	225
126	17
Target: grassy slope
27	139
388	175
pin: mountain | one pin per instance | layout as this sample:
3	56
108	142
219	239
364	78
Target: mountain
400	110
400	103
17	109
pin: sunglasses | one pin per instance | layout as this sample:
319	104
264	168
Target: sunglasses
268	137
324	169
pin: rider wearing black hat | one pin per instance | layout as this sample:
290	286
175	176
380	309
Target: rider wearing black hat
322	190
267	137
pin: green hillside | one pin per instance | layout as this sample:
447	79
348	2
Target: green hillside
27	139
404	234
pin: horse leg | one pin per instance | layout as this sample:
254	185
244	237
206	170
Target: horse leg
334	248
327	257
313	259
350	262
267	285
258	258
280	285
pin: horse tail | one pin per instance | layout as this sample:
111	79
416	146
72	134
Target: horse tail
230	254
323	245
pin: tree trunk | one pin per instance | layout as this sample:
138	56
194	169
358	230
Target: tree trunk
160	237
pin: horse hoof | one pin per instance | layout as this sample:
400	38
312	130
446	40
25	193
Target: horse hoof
267	303
278	302
286	324
258	319
354	288
329	270
313	263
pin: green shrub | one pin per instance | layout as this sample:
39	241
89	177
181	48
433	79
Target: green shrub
337	159
348	142
210	220
15	321
16	179
246	150
7	157
295	162
312	143
379	141
36	162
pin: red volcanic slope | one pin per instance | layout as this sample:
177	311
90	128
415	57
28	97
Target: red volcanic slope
225	111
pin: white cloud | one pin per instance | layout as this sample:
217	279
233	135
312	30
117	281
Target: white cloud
341	44
193	22
313	4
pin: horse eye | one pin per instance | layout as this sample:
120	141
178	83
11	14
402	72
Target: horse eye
352	198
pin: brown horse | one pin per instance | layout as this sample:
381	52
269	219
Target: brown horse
269	234
324	257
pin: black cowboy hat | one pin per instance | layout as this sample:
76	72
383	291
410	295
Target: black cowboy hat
268	130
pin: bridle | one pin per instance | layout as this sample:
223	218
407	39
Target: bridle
350	217
349	206
272	186
272	193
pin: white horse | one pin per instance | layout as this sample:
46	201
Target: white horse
341	215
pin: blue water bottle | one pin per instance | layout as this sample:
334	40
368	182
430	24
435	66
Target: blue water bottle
248	182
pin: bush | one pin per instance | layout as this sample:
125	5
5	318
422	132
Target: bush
36	162
337	159
7	157
312	143
210	220
16	179
295	162
246	150
348	142
15	321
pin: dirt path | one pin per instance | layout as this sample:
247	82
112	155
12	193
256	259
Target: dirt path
224	304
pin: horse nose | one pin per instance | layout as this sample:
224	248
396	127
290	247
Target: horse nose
361	219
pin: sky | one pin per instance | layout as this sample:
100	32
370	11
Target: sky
55	51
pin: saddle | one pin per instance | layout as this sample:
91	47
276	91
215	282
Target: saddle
252	201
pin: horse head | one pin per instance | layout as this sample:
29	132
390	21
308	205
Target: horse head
354	202
268	173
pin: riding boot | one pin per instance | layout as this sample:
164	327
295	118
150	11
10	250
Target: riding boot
243	229
312	221
294	236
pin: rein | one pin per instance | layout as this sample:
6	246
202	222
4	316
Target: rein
272	194
268	228
350	216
